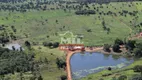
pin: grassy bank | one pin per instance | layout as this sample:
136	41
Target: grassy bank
116	73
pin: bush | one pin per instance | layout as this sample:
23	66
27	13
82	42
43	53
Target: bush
137	52
118	41
107	48
63	77
40	78
85	12
138	68
56	44
109	68
47	44
116	48
27	43
130	45
4	39
60	63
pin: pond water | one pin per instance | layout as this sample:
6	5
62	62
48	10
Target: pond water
88	63
16	45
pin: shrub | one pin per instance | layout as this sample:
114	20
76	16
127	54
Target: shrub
56	44
47	44
63	77
107	48
138	68
85	12
118	41
116	48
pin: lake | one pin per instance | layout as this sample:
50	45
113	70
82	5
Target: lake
88	63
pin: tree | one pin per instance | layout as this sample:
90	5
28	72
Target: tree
63	77
21	76
57	21
138	68
89	30
118	41
130	45
3	44
106	48
46	61
108	30
139	45
14	30
40	78
28	44
4	39
116	48
85	12
56	44
104	25
60	63
109	68
48	44
137	52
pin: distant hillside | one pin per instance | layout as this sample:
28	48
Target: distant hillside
103	1
14	1
98	1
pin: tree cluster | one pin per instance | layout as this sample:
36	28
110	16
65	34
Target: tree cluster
60	63
15	61
138	50
51	45
116	46
85	12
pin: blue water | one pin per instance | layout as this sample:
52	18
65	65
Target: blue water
84	64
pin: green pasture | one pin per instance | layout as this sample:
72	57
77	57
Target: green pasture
40	26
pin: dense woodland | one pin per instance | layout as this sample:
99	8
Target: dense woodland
99	1
41	5
15	61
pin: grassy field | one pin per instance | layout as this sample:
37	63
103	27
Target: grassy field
35	26
50	71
